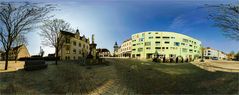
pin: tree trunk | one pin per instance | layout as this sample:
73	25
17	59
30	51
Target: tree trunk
15	59
56	52
6	60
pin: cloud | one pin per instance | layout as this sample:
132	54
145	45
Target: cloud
178	22
186	22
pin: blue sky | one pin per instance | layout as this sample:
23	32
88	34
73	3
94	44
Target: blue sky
117	20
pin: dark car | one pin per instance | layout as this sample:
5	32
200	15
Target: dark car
214	58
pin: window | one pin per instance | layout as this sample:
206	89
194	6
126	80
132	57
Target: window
182	43
157	43
166	42
148	48
157	37
157	47
79	44
138	55
185	40
195	51
133	49
176	43
140	49
147	43
163	47
74	51
151	37
156	32
191	50
172	37
190	45
134	44
166	47
209	54
185	50
143	34
141	39
67	50
67	40
79	51
166	37
74	43
173	48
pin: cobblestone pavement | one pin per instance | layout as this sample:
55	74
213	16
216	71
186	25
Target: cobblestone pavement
113	86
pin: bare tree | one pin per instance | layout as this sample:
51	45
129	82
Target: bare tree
19	41
19	18
226	17
52	36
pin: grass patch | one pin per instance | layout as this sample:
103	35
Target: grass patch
174	78
60	79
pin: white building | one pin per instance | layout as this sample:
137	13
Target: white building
125	48
210	53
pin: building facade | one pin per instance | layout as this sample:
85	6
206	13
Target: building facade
146	45
210	53
74	47
103	52
17	52
231	57
125	49
116	49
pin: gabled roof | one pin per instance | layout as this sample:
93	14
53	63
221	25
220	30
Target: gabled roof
67	33
17	47
73	35
102	50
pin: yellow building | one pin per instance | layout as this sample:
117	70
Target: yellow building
75	46
147	45
18	52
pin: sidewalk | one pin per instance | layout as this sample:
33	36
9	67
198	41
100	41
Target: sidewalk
224	66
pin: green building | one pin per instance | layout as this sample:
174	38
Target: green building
146	45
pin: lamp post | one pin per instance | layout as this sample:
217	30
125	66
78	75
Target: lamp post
202	56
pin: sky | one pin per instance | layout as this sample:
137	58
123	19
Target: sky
117	20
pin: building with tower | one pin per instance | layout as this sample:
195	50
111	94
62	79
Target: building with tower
116	48
75	46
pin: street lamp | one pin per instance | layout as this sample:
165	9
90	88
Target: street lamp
202	56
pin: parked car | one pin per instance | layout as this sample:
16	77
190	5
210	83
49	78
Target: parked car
214	58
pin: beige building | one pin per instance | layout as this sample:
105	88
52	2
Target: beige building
75	46
103	52
210	53
18	52
125	48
